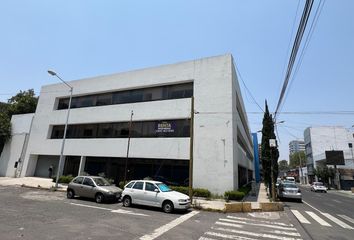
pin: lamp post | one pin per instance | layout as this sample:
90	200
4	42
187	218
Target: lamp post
66	125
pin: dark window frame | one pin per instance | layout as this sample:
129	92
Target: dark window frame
165	92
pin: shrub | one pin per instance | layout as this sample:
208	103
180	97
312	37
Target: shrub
64	179
245	189
180	189
201	192
234	195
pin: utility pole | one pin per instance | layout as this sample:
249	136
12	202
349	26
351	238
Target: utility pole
272	145
129	135
190	190
301	173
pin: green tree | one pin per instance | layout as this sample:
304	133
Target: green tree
296	158
5	129
269	155
283	165
324	173
23	102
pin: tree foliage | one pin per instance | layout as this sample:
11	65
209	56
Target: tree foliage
283	165
296	158
324	173
269	155
23	102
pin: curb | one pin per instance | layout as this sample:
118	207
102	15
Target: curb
246	207
43	188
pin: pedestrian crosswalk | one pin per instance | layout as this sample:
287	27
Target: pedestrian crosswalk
324	219
246	227
251	227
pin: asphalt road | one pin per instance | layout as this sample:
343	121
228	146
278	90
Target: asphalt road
324	215
39	214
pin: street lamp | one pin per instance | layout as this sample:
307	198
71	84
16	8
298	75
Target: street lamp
66	125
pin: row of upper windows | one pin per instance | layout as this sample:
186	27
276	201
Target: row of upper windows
176	91
139	129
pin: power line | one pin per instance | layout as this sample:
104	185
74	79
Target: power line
295	48
249	92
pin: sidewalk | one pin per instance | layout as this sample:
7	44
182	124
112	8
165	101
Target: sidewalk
33	182
258	201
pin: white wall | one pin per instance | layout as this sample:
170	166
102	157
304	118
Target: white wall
215	153
20	127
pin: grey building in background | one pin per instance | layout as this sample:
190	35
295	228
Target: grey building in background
296	146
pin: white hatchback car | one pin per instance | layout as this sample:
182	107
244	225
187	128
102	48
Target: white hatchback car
318	187
155	194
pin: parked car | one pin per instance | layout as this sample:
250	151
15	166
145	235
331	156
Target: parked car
290	179
93	187
155	194
318	187
289	190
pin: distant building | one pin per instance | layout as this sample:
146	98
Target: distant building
318	140
296	146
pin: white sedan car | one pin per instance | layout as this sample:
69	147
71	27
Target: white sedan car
318	187
155	194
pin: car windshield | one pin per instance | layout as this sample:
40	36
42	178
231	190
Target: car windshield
319	184
101	182
289	185
163	187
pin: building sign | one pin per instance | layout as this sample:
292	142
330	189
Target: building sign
335	158
165	127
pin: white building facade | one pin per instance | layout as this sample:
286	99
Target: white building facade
318	140
160	100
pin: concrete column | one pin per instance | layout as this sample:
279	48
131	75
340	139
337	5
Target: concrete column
82	165
61	170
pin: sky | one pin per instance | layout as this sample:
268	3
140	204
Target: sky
86	38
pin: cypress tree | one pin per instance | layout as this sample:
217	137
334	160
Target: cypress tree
269	155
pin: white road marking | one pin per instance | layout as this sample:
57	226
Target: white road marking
214	234
336	220
229	224
346	218
262	235
299	216
336	201
262	221
318	219
294	234
161	230
330	217
204	238
111	210
257	224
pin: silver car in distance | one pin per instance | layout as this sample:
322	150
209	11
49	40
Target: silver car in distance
289	190
94	187
155	194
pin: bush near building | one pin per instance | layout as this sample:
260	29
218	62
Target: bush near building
64	179
234	195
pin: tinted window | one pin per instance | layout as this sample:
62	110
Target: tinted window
175	91
78	180
139	129
130	185
138	185
150	186
88	182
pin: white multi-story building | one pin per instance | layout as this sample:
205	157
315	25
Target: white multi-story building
318	140
296	146
160	100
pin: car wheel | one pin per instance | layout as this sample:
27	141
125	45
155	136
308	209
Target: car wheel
70	194
299	200
127	201
167	207
99	198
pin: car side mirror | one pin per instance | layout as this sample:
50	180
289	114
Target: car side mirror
156	190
